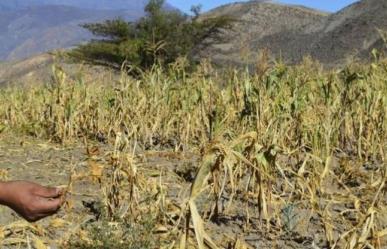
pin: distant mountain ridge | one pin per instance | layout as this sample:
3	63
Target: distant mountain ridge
83	4
289	32
292	32
29	27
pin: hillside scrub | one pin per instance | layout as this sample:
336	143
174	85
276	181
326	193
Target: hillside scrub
272	144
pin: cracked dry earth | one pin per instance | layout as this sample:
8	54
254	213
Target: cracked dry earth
24	158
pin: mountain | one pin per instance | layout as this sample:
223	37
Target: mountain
292	32
289	32
354	31
83	4
29	27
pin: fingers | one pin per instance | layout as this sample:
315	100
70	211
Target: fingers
39	216
40	208
48	201
43	207
49	205
48	192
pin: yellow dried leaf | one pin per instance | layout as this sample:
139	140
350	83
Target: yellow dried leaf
69	205
328	165
368	226
58	223
39	244
12	241
382	233
357	204
201	177
198	224
96	170
183	241
240	244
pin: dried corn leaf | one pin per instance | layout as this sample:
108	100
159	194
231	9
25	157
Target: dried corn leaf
39	244
198	224
58	223
202	175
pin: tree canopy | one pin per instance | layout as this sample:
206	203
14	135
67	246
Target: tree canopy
161	36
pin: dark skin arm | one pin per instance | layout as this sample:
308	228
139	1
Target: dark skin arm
30	200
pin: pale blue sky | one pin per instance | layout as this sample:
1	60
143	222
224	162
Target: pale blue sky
326	5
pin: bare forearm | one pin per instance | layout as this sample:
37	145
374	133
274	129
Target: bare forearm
4	192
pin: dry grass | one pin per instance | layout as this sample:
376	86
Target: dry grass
282	141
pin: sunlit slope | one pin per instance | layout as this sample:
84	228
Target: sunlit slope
293	32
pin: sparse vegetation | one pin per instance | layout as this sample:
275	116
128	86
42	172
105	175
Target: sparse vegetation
125	235
291	153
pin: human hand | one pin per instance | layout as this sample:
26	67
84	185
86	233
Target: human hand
30	200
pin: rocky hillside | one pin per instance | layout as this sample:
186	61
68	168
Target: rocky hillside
29	27
292	32
354	31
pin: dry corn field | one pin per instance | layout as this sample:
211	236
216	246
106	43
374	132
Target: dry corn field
285	157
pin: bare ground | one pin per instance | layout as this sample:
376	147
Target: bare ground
51	164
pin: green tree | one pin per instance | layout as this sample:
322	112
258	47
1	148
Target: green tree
159	37
196	10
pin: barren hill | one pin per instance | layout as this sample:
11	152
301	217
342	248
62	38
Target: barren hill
354	31
256	21
37	70
292	32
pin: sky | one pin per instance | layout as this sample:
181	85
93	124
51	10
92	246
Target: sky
325	5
